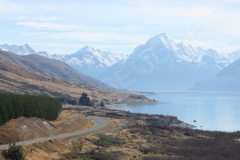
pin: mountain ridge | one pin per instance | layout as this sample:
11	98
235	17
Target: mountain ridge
164	65
159	64
49	67
87	60
227	79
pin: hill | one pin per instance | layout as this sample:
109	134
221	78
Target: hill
17	77
48	67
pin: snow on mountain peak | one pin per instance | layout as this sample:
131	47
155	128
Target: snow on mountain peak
21	50
162	49
89	49
160	39
94	56
234	56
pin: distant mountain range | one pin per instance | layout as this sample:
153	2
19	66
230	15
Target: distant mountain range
226	80
20	50
48	67
86	60
158	65
164	65
90	61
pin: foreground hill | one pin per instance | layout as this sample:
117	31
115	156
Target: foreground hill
49	67
17	77
227	80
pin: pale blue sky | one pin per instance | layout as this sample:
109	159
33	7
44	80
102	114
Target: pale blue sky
59	26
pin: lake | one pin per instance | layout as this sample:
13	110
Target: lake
211	111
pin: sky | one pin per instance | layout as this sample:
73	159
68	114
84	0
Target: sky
63	27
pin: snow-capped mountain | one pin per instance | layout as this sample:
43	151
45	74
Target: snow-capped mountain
92	61
226	80
20	50
23	50
162	64
86	60
234	56
158	65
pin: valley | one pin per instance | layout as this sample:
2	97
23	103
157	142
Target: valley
97	132
119	80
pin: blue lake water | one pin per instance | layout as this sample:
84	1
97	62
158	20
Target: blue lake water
219	112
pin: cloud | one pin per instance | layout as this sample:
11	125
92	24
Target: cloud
47	25
37	18
9	7
99	36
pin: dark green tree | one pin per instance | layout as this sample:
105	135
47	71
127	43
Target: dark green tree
13	106
102	104
84	100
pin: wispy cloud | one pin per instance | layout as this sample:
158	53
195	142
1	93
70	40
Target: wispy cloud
121	23
99	36
9	7
38	18
47	25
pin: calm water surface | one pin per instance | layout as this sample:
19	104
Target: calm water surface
211	111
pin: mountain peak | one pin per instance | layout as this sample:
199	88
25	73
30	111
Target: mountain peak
160	39
88	48
162	35
88	51
26	45
21	50
92	58
27	48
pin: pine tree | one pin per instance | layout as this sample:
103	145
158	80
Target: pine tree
84	100
102	104
14	106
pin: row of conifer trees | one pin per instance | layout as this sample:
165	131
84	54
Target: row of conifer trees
13	106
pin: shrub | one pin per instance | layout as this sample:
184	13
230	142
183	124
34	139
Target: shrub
147	150
77	147
107	141
102	155
14	152
68	100
137	96
159	158
97	155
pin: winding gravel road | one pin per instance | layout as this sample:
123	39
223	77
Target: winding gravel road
100	124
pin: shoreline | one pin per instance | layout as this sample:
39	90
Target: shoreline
147	136
183	123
